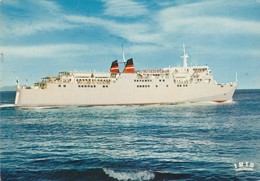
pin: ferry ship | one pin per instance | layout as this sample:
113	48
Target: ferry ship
171	85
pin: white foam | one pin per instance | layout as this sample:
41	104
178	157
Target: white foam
140	175
6	105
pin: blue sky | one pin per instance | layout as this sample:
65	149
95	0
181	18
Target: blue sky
41	38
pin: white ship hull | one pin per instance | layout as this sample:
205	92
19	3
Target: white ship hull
125	92
162	86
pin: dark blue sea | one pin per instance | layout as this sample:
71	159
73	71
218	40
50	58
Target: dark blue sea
161	142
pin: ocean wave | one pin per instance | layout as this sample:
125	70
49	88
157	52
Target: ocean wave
124	176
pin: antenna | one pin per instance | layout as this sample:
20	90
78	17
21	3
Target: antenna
185	56
236	76
2	55
124	60
17	81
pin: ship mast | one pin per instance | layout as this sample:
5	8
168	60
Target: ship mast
185	56
124	60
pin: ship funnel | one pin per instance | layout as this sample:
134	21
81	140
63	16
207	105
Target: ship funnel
129	68
114	67
185	56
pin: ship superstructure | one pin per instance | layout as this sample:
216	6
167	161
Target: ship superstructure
130	87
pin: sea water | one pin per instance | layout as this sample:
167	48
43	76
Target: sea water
202	141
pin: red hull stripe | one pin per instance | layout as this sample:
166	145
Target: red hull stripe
219	101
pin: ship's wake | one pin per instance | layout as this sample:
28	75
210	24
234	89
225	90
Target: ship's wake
6	105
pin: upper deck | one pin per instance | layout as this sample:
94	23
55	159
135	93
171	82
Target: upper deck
178	75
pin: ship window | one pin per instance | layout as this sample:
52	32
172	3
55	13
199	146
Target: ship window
59	85
163	80
156	86
159	80
94	85
64	85
85	85
167	86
